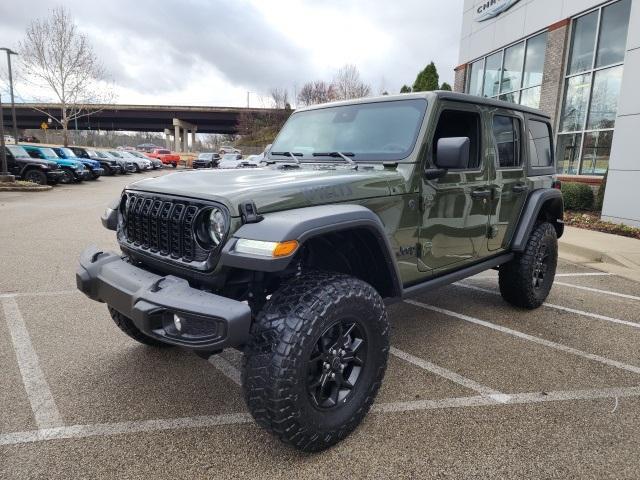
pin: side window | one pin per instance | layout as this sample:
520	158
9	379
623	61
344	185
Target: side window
539	144
506	132
455	123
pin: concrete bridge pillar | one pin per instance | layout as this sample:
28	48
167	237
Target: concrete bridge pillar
167	138
181	125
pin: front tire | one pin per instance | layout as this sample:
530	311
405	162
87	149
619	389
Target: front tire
526	280
36	176
127	326
68	177
316	359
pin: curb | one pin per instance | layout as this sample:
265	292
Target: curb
593	255
16	188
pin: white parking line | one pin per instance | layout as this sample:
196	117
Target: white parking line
445	373
597	290
514	399
142	426
559	307
38	294
222	362
44	407
530	338
584	274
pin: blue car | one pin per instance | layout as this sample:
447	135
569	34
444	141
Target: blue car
93	165
74	171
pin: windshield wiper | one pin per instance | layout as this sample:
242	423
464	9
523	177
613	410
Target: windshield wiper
345	156
288	154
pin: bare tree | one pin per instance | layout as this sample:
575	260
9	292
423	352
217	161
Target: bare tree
59	60
279	97
348	85
316	92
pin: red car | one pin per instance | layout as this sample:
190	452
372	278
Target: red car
165	156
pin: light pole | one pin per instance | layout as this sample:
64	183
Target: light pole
13	105
4	174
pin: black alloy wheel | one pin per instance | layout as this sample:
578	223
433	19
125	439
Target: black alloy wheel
336	364
36	176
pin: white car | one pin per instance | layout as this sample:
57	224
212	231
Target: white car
140	163
235	160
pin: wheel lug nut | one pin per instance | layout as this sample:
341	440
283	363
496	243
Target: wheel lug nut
333	375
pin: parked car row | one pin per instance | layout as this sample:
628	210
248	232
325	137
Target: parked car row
51	165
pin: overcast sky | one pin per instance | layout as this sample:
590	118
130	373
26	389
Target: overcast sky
211	52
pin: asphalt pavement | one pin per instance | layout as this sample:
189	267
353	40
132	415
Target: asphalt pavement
475	388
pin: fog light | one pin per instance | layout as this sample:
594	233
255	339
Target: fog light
177	322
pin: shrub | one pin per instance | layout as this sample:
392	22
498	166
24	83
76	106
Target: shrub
600	194
577	196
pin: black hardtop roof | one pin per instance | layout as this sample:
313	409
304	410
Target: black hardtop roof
437	94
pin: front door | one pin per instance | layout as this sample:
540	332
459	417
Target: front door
456	206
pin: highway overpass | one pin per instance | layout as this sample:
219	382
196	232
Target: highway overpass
175	121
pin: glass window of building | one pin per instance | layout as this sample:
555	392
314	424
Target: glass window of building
493	65
476	71
592	88
513	74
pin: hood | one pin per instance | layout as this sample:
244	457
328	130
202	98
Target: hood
87	161
274	189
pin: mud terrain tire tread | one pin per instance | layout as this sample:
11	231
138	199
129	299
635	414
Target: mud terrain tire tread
274	358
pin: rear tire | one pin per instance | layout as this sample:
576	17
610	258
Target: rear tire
127	326
36	176
316	359
174	165
526	280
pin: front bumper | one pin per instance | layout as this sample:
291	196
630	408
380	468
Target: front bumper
209	322
82	174
96	172
54	175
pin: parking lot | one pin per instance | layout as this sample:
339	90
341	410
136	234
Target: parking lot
474	387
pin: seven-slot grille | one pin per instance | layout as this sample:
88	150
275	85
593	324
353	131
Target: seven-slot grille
163	226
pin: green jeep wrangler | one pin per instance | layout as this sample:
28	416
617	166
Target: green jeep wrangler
360	204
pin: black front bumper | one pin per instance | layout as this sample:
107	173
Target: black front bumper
54	175
208	322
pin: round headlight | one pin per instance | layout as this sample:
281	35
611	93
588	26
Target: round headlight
217	225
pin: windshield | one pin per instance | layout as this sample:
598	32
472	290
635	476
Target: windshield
115	154
164	152
126	155
17	151
137	154
230	156
204	156
369	131
68	152
48	152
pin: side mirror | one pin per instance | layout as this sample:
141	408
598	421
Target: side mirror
452	153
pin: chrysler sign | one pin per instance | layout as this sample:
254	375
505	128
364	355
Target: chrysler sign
492	8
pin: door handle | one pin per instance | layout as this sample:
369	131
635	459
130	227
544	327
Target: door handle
481	193
520	187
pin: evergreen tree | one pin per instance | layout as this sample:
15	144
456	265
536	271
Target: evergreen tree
405	89
427	80
445	86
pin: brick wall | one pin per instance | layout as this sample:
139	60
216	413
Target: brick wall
552	80
460	76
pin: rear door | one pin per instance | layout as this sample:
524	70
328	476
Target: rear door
509	184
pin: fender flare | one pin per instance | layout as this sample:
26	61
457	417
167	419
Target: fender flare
302	224
530	213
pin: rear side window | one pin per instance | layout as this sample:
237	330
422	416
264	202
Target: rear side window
539	144
506	131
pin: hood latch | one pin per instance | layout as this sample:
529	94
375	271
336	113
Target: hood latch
249	212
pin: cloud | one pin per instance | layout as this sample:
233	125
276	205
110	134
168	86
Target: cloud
215	51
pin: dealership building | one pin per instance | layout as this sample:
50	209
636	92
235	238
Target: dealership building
578	61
